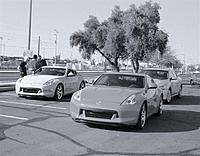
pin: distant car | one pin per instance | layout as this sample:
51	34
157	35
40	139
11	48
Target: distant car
50	81
167	80
119	99
186	78
195	78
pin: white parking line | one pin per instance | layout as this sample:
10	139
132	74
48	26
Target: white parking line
33	105
13	117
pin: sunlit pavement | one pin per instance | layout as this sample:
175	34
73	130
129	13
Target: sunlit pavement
43	127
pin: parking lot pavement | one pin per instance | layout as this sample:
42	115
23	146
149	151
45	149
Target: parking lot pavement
39	126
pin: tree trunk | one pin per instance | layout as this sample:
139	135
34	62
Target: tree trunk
114	64
135	64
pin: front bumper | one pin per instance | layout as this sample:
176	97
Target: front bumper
35	90
122	115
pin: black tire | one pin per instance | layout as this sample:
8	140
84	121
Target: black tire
179	92
160	110
59	92
142	117
82	85
191	82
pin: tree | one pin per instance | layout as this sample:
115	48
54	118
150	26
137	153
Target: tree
167	60
107	38
142	33
132	34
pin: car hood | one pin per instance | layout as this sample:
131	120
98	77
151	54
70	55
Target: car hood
106	96
36	79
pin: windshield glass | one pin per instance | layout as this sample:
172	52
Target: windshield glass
120	80
51	71
157	74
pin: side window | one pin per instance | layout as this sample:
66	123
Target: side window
71	73
173	74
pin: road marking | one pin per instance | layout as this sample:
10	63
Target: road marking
33	105
13	117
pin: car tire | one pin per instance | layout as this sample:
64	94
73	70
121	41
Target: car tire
179	92
82	85
191	82
142	117
169	97
160	110
59	92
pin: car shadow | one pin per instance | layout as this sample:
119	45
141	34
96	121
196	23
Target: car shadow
170	121
65	98
186	100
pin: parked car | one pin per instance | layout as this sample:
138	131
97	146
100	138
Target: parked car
186	78
117	98
50	81
167	80
195	78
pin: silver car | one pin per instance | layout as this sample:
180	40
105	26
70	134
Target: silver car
167	80
119	99
50	81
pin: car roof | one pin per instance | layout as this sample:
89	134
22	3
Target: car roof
125	73
58	67
161	69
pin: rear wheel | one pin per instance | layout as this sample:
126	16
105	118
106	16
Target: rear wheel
59	92
142	117
179	92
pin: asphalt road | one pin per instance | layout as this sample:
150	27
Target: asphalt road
43	127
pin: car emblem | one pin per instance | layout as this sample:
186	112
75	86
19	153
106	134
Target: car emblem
98	103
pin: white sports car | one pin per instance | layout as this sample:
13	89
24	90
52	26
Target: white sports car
50	81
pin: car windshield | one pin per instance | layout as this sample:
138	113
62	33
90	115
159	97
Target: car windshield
157	74
120	80
51	71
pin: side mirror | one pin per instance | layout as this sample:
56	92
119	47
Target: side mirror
90	81
153	86
33	72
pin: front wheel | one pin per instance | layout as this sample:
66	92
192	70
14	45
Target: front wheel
82	85
59	92
142	117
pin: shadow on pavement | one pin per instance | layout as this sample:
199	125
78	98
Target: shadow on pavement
66	98
170	121
186	100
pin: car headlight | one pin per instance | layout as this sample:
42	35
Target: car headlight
77	96
131	100
50	82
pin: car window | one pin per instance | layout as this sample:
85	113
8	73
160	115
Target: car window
71	73
157	74
51	71
120	80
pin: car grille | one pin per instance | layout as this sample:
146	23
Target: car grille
30	90
99	114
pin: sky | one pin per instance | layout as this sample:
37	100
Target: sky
179	18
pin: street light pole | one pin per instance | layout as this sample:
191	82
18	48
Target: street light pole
56	44
30	18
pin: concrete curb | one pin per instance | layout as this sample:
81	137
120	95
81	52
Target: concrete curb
5	86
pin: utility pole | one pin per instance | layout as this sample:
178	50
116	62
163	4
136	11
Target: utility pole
56	43
30	18
38	45
1	58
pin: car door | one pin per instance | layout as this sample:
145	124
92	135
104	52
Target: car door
151	95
